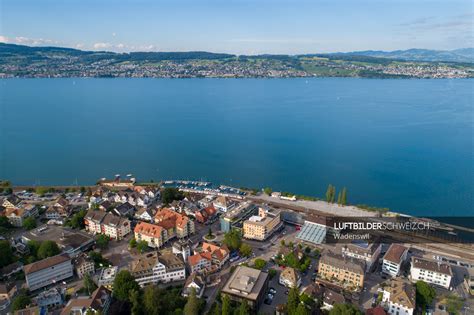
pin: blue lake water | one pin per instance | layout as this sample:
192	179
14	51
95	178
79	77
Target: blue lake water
402	144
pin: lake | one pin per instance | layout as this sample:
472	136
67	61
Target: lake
402	144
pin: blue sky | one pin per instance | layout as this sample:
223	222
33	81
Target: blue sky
241	27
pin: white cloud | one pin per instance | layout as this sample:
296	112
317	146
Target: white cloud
4	39
102	45
21	40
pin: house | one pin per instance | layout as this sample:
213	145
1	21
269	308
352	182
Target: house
153	234
12	201
154	268
330	298
219	254
469	281
34	310
99	222
7	292
223	204
399	298
83	265
107	277
16	215
99	301
247	284
144	214
290	278
362	250
50	298
200	262
176	224
196	282
378	310
341	270
260	227
206	215
315	291
182	247
11	269
117	182
48	271
433	272
124	210
393	259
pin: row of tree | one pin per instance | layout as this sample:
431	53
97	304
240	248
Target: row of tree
341	196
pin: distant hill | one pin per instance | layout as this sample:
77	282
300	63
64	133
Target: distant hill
464	55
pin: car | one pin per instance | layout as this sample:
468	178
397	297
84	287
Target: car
286	292
272	291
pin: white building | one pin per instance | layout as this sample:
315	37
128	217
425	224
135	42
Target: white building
393	259
48	271
433	272
153	268
399	298
290	278
368	252
101	222
194	281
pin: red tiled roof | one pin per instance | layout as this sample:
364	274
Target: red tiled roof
148	229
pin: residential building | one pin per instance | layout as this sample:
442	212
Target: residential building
261	226
200	262
196	282
433	272
34	310
362	250
219	254
234	219
11	269
117	182
154	268
223	204
83	266
290	278
12	201
16	215
393	259
48	271
107	277
378	310
124	210
176	224
99	301
469	281
345	271
247	284
7	292
399	298
99	222
182	247
153	234
50	298
144	214
330	298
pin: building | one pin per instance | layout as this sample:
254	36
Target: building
234	219
176	224
153	234
182	247
16	215
394	259
200	262
261	226
247	284
11	269
34	310
196	282
50	298
219	254
12	201
7	292
433	272
290	278
83	265
99	301
313	231
342	270
144	214
99	222
378	310
469	281
117	182
367	252
399	298
154	268
223	204
48	271
126	209
107	277
330	298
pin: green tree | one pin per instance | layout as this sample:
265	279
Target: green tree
333	194
293	300
142	246
209	233
425	294
21	301
282	243
48	249
124	283
29	223
329	192
267	190
344	309
132	243
169	194
192	305
259	263
135	300
339	198
301	310
344	196
89	285
454	304
102	241
233	239
77	220
7	253
217	309
5	223
244	308
41	191
226	307
245	250
272	273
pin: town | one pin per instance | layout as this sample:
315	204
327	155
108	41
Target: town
190	247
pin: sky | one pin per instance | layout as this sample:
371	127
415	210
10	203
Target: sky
240	26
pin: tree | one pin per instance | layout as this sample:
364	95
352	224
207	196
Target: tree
151	301
259	263
272	273
192	305
282	243
48	249
102	241
328	193
142	246
124	283
217	309
5	223
425	294
245	250
293	300
135	300
226	307
244	308
77	220
233	239
339	198
29	223
169	194
344	196
344	309
301	310
7	253
89	285
21	301
454	304
209	233
132	243
267	190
